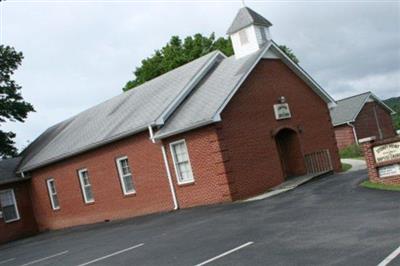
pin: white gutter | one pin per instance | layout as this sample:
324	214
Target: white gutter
151	134
175	132
354	131
81	150
171	184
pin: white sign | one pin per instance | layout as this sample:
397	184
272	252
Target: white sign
390	170
282	111
387	152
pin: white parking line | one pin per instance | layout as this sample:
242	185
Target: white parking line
225	253
110	255
45	258
391	257
5	261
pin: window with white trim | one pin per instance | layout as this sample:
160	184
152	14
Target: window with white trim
51	187
180	156
86	186
125	175
244	39
8	204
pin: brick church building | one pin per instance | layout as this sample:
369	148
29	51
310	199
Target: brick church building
217	129
361	116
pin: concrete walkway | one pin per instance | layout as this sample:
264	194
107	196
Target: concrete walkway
290	184
356	164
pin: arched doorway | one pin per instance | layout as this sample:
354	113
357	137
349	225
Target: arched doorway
292	160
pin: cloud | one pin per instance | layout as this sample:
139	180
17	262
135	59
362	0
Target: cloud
80	54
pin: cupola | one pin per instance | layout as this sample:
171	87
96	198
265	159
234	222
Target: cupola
249	31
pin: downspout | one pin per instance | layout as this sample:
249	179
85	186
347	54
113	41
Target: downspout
171	184
151	134
354	131
377	123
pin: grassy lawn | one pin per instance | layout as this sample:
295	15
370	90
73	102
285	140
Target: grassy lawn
351	152
369	184
346	167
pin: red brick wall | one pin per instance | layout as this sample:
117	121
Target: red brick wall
344	136
149	177
207	161
248	125
26	226
366	125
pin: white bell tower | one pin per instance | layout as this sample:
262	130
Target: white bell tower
249	31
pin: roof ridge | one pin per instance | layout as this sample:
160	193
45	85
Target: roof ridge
357	95
128	101
135	89
196	78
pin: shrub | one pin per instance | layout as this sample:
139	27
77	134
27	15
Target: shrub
351	151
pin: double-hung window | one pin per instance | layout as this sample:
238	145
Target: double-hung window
8	206
51	187
182	165
125	175
86	186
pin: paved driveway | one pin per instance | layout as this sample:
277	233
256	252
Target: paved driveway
329	221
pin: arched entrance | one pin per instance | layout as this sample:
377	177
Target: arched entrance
292	160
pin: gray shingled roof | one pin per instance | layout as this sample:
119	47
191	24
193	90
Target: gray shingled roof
7	170
246	17
121	116
347	109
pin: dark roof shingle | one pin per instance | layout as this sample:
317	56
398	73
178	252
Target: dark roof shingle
7	170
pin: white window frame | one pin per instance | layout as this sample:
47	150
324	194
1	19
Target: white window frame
51	194
15	206
121	175
178	177
80	171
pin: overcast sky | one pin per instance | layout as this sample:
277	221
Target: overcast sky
78	54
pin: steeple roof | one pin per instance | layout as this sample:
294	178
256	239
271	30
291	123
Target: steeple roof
246	17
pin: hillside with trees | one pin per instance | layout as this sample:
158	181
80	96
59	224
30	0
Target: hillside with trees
394	103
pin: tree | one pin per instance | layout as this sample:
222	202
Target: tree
394	103
289	53
176	53
12	105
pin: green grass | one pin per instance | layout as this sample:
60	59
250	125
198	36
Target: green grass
351	151
369	184
346	167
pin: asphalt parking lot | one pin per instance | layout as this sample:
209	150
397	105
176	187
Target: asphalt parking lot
329	221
